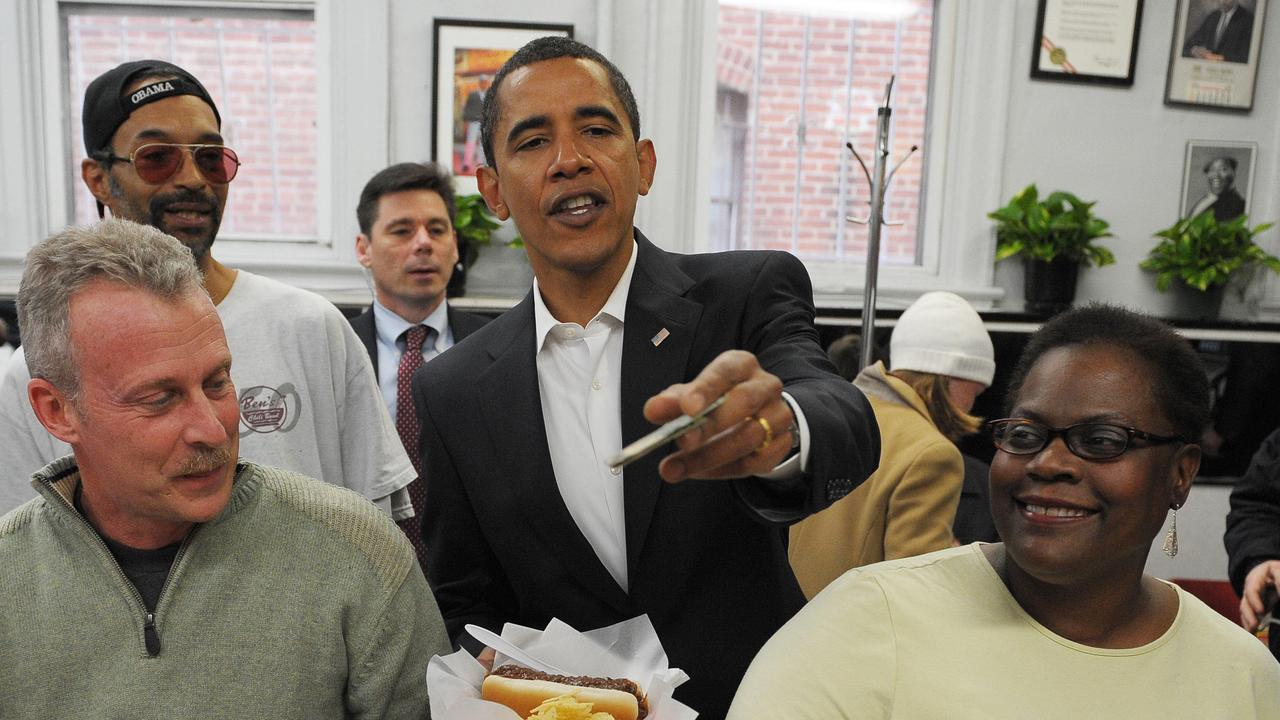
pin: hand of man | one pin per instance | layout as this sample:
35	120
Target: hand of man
748	435
1263	577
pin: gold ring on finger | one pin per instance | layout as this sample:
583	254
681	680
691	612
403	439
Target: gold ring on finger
768	434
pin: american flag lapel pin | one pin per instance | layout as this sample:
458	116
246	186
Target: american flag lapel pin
662	335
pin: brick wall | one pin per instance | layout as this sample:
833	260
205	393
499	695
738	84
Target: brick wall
261	71
833	100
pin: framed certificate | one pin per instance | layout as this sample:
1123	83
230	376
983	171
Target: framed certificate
1091	41
1214	59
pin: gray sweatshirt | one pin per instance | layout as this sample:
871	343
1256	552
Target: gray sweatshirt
301	600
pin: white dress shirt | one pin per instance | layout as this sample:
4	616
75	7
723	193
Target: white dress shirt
1223	21
390	329
1203	204
580	384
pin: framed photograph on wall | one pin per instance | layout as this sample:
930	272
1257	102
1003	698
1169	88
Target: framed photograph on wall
1217	175
1086	42
467	55
1213	62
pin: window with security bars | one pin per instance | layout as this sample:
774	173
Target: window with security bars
796	81
260	68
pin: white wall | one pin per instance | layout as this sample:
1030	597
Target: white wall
1124	148
21	170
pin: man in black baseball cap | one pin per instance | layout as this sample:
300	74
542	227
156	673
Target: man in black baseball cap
156	156
308	397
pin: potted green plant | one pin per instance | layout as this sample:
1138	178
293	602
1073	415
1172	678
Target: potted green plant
474	225
1055	236
1197	256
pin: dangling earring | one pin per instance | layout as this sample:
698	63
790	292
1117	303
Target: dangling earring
1170	546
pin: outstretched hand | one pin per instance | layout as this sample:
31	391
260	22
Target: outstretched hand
750	434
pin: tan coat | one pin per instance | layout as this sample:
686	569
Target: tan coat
906	508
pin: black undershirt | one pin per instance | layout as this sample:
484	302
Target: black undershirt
146	569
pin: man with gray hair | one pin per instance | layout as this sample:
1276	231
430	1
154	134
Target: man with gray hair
309	401
157	576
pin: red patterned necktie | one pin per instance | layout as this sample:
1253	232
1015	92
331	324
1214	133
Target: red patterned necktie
409	428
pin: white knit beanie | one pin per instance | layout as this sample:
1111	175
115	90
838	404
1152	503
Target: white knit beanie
942	334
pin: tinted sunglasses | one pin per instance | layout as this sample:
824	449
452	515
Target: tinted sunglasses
1091	441
157	162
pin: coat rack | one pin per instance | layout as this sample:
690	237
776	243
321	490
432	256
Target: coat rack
875	220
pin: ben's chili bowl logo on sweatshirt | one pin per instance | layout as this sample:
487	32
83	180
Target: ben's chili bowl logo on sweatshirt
263	409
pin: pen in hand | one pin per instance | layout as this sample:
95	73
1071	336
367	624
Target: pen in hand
664	434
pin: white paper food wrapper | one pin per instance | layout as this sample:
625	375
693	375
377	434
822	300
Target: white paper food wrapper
629	649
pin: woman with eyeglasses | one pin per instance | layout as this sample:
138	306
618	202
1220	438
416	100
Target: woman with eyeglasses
1059	620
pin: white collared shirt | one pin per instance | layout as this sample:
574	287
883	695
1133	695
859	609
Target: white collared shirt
580	385
390	328
579	381
1205	203
1223	21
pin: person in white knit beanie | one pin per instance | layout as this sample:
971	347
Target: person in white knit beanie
941	334
941	358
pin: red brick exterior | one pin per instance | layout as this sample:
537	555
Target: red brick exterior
843	90
262	74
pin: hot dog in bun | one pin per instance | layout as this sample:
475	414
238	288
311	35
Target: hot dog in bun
523	690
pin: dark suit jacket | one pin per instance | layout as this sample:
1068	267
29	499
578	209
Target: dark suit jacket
1253	525
1234	46
973	515
461	324
710	571
1228	206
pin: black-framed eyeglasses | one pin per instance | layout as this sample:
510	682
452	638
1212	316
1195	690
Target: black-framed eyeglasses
1091	440
157	162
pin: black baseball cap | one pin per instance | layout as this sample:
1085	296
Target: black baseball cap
106	107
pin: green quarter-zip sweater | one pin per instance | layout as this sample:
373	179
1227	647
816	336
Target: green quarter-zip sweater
300	600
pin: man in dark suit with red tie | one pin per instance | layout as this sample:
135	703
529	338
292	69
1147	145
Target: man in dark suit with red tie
525	520
408	243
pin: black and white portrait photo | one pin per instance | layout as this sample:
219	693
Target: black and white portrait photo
1217	177
1213	61
1219	30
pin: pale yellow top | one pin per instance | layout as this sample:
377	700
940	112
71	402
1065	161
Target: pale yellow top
939	636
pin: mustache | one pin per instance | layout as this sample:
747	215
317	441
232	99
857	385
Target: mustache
206	460
160	203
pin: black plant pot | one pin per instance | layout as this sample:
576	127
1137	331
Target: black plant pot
1050	287
1188	303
